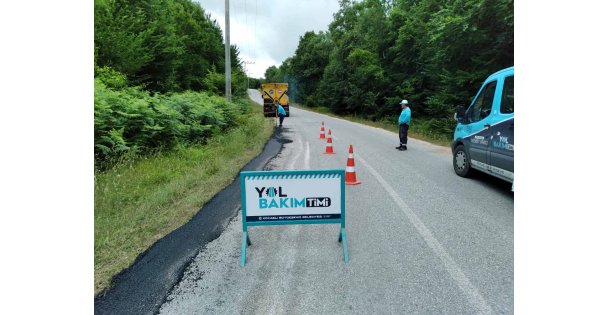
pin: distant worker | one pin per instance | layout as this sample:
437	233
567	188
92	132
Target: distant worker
404	125
282	113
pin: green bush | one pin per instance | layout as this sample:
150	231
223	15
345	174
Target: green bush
111	78
130	120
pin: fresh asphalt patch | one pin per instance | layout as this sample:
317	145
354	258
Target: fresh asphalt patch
143	287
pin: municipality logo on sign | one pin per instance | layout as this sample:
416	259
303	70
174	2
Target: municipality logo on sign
275	197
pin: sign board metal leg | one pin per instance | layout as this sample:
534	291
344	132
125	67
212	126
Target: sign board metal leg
246	242
342	239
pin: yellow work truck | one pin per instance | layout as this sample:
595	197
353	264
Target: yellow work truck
272	92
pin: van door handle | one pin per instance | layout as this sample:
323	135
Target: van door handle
487	125
511	126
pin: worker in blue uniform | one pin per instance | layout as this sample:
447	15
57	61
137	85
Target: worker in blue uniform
404	125
281	112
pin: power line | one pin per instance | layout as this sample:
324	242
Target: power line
247	25
255	27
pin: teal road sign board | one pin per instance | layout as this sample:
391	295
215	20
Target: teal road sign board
292	197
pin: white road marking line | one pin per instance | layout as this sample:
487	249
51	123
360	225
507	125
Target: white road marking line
295	159
465	285
307	157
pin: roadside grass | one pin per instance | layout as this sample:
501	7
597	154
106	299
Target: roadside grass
420	128
139	201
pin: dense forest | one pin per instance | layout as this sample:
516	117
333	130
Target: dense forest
159	77
164	45
159	66
435	53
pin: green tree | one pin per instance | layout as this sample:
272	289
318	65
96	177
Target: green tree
435	53
308	65
163	45
353	81
271	74
120	36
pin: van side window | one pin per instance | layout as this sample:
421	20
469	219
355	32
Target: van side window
483	104
507	105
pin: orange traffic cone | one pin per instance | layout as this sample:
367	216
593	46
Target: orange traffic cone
351	175
329	148
322	135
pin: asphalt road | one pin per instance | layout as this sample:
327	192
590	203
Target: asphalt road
421	240
144	286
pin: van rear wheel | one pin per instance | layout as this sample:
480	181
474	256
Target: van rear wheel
461	161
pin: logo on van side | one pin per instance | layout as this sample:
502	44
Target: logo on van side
503	143
480	140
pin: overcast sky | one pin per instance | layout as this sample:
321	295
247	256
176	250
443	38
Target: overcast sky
268	31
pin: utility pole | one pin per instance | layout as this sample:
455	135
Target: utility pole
228	73
245	63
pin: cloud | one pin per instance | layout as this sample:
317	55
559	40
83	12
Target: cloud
268	32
